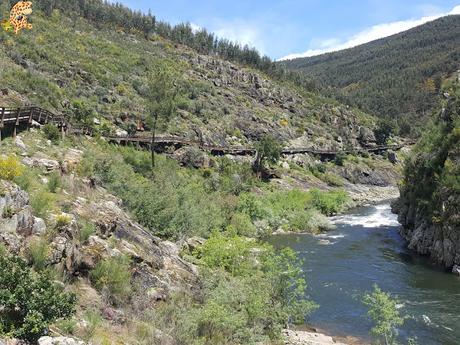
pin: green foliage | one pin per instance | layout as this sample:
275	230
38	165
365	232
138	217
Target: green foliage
41	202
51	132
30	301
113	276
251	292
54	182
87	230
384	313
431	172
83	112
340	158
37	253
329	203
268	151
385	128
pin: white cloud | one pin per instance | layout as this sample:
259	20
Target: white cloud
241	32
368	35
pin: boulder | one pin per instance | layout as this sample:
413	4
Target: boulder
19	143
59	341
456	270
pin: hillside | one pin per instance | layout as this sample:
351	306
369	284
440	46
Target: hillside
69	66
397	77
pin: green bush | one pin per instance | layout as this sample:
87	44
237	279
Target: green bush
54	182
329	203
250	292
113	275
41	202
30	301
51	132
384	313
87	230
37	253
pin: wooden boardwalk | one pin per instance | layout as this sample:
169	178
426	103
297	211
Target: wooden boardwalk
15	118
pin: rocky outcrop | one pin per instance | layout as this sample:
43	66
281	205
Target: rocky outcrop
158	269
437	236
429	207
308	338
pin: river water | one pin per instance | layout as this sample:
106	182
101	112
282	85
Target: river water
364	249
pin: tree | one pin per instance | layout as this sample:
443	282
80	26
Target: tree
268	151
29	301
385	128
162	93
384	313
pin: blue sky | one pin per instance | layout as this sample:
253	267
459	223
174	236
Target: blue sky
280	28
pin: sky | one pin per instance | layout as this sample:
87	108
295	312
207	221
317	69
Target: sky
295	28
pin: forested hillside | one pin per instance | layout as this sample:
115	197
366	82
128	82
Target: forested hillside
398	77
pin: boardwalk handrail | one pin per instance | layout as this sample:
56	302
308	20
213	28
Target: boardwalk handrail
15	116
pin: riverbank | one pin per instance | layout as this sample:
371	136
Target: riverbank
364	195
316	337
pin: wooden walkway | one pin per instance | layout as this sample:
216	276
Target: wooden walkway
15	118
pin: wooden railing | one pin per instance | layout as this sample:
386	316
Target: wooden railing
14	117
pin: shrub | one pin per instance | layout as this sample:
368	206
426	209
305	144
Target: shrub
41	202
51	132
38	253
10	168
113	276
87	229
329	203
54	182
251	291
340	158
63	220
30	301
384	313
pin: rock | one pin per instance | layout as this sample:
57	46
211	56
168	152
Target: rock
308	338
285	165
392	157
41	161
59	341
192	157
120	133
39	227
456	270
366	136
19	143
193	244
96	121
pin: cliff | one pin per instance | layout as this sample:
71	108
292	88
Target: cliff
429	207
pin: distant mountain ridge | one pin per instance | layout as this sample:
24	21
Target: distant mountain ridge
397	77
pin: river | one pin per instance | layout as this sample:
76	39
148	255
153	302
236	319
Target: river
364	249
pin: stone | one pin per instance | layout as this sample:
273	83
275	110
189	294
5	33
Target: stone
59	341
456	270
120	133
392	157
19	143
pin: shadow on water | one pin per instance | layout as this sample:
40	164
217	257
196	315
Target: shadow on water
364	249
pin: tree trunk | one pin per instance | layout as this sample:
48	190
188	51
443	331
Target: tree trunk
152	145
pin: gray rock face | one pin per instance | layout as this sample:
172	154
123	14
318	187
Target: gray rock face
16	218
438	237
